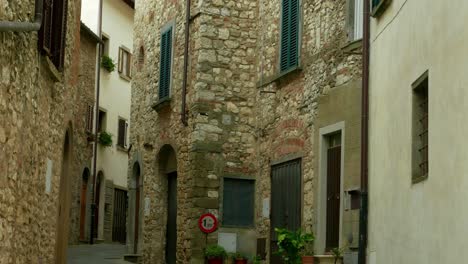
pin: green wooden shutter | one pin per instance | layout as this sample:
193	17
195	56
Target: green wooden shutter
375	3
289	35
165	64
238	202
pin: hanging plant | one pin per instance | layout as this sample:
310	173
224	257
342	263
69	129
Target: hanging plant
107	63
105	139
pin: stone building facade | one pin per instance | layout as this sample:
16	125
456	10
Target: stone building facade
245	118
42	143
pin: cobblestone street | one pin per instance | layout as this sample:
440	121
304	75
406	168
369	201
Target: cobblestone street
96	254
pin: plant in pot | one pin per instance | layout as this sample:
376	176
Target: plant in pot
215	254
239	259
337	255
105	139
107	63
291	244
308	254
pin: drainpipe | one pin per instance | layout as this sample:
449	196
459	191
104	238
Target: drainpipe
363	214
186	53
96	121
6	26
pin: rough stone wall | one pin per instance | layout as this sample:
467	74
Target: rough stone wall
83	147
219	138
287	105
35	112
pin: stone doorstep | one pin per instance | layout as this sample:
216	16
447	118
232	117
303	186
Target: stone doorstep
132	257
325	259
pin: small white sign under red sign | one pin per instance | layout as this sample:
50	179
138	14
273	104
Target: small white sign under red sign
208	223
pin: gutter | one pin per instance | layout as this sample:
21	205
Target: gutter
96	123
6	26
186	54
363	213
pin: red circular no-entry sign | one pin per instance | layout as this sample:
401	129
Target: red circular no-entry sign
208	223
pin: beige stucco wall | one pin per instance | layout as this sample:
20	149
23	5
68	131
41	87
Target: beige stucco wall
424	222
115	96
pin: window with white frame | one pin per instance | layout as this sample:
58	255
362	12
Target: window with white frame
125	58
355	19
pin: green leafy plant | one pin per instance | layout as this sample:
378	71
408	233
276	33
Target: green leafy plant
107	63
337	253
291	244
215	251
239	256
257	260
105	139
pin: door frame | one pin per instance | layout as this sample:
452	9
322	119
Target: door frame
324	133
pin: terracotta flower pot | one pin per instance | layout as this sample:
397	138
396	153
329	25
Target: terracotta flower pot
215	261
308	260
240	261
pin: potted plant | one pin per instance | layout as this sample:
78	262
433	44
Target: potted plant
107	63
337	254
239	258
308	254
291	244
105	139
215	254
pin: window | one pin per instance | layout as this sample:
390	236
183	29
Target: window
420	129
122	135
165	64
124	62
355	19
378	6
289	35
101	121
238	202
53	31
89	118
105	48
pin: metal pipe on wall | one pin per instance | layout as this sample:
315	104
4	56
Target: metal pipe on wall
6	26
186	54
363	214
96	122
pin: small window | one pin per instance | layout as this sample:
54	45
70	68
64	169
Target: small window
290	18
53	31
124	62
355	19
238	202
379	6
165	64
122	133
420	129
102	121
89	118
106	43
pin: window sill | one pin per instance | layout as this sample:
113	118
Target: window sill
53	71
122	148
380	8
125	77
352	46
419	179
278	76
161	104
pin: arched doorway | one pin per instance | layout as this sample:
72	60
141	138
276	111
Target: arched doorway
137	182
168	171
61	241
83	202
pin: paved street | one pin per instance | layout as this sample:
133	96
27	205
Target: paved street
96	254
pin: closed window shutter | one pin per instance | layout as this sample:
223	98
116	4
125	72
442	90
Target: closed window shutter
165	64
238	202
59	55
121	138
45	33
289	35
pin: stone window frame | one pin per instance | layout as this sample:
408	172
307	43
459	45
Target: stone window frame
420	92
299	44
221	201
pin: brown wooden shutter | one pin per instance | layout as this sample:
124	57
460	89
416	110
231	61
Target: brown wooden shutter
89	118
45	33
61	40
120	66
121	136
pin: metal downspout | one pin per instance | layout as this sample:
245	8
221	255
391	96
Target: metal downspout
363	214
186	53
96	122
6	26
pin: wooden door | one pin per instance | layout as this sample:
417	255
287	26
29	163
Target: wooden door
96	200
171	232
286	196
119	232
84	190
333	197
137	211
